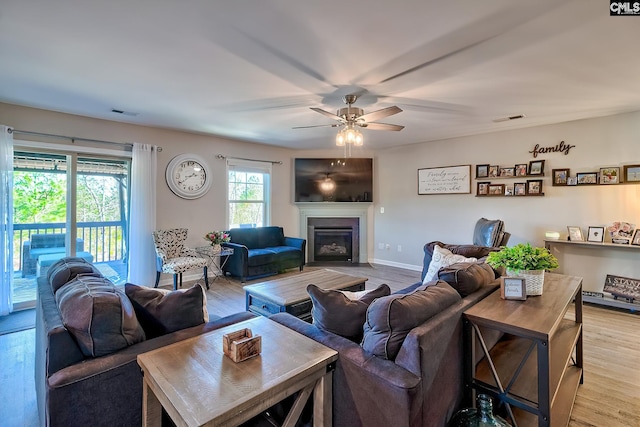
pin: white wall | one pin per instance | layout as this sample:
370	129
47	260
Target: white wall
411	220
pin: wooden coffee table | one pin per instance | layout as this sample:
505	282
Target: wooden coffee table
199	386
289	294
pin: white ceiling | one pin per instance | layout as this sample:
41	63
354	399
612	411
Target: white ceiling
251	69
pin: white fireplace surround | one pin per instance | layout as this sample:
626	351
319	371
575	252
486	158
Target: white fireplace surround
338	210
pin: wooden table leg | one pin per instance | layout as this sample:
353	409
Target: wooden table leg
151	407
322	404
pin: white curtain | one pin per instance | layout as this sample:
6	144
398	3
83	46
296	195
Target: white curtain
142	216
6	217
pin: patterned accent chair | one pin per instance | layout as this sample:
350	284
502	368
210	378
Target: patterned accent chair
175	258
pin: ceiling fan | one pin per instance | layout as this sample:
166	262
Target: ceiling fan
352	117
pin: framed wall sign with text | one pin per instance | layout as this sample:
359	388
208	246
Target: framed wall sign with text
513	288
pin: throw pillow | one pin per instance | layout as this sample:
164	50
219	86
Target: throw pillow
161	311
466	278
443	258
342	313
389	319
98	315
67	268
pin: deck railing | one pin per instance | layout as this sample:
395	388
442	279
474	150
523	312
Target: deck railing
105	240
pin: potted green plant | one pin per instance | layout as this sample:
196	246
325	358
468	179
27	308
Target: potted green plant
524	260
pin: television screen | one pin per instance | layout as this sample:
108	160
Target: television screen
333	180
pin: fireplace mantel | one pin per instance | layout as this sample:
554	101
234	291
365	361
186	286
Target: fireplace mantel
358	210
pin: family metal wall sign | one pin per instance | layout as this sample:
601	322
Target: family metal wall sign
558	148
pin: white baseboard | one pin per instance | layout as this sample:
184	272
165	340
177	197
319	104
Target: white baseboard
396	264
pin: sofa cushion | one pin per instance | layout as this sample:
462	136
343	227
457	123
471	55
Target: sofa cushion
161	311
272	255
443	258
67	268
98	315
389	319
343	313
474	251
467	277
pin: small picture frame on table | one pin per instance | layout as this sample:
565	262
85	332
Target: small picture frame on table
513	288
595	235
635	240
560	176
507	171
521	169
482	171
520	189
496	189
609	176
536	167
534	187
494	170
575	234
483	189
587	178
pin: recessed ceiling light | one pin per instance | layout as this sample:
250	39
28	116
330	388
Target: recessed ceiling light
124	113
506	119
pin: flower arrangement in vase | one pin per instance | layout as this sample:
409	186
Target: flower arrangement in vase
217	238
524	260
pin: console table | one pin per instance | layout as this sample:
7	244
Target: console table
536	367
609	301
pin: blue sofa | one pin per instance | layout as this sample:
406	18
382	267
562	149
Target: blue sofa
262	251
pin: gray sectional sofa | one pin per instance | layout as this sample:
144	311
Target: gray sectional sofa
74	389
421	385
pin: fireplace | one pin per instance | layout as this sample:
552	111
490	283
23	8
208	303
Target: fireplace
333	240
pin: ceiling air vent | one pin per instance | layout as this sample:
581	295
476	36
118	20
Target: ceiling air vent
506	119
124	113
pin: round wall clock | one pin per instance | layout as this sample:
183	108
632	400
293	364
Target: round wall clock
188	176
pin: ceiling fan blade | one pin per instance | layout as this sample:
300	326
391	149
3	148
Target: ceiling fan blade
381	126
315	126
380	114
326	113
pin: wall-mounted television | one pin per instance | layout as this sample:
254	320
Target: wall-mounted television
333	180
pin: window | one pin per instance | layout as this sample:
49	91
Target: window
248	193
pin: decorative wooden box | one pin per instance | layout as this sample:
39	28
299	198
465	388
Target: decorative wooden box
241	345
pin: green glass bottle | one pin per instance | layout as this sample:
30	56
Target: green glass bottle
482	416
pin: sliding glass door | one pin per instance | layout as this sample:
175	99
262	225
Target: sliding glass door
67	205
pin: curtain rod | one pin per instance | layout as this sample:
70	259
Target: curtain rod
72	138
273	162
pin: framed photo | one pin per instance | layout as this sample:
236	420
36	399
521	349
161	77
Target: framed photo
534	187
572	180
632	174
575	234
494	170
507	171
483	189
496	189
635	240
521	169
508	190
587	178
482	171
560	176
610	175
536	167
596	234
520	189
513	288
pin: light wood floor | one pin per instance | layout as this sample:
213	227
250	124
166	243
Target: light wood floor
609	397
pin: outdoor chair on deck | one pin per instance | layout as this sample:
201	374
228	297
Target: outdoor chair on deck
174	258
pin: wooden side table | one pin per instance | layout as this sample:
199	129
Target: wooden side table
199	386
536	368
